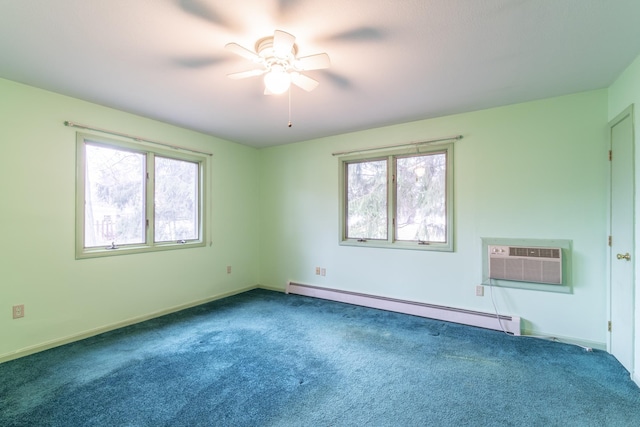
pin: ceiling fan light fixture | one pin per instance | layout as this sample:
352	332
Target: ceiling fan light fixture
277	80
281	67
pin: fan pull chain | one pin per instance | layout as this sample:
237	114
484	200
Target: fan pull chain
290	106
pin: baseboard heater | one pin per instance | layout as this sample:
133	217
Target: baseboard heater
510	324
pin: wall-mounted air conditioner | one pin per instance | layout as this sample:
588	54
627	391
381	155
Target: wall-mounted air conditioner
526	264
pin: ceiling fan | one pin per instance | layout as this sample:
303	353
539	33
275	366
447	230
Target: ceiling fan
277	56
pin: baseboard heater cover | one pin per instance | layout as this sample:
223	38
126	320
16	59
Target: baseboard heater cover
510	324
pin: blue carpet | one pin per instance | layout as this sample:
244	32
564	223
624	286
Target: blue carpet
268	359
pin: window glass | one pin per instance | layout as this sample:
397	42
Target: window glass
421	213
133	197
176	200
367	200
114	196
402	198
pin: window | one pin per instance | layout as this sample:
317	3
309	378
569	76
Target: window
131	198
398	199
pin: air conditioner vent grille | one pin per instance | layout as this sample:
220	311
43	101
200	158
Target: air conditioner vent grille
526	264
535	252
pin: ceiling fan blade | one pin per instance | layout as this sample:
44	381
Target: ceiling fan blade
306	83
202	10
245	74
284	6
282	43
313	62
198	61
243	51
337	79
358	34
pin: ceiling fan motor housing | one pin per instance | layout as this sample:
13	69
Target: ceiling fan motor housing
264	48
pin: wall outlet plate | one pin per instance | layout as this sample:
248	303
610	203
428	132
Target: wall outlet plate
18	311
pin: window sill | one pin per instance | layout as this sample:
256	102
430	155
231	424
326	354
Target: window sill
414	246
135	249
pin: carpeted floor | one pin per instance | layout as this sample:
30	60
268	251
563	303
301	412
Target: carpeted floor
268	359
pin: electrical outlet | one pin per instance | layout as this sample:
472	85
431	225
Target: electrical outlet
18	311
317	271
479	291
228	269
323	271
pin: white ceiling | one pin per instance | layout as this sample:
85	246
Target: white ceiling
393	61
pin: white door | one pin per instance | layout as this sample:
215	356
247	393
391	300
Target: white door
622	241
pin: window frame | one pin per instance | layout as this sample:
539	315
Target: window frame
392	242
150	152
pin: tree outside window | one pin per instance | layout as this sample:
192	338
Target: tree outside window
134	199
398	200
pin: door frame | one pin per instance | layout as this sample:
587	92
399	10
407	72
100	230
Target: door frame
627	112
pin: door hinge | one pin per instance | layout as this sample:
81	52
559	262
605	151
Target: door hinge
146	221
610	155
609	240
609	325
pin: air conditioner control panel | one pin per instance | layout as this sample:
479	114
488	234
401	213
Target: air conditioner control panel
495	250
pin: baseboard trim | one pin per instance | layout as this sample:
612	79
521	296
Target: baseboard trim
271	288
636	379
96	331
487	320
510	324
565	340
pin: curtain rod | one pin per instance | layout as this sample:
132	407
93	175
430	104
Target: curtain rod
135	138
382	147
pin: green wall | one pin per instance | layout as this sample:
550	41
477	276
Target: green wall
622	93
534	170
64	297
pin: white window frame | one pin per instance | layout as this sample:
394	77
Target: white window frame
150	151
391	241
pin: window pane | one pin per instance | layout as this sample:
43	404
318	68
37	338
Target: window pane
367	200
176	200
421	212
114	196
